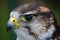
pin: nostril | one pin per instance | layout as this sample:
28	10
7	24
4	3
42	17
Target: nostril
13	20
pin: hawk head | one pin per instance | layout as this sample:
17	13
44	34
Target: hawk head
32	21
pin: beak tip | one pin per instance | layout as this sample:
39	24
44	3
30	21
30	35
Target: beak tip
8	27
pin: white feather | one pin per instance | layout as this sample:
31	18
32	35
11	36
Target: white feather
22	34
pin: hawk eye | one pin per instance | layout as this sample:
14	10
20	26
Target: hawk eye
27	18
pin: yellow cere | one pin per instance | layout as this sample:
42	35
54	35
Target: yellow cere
14	21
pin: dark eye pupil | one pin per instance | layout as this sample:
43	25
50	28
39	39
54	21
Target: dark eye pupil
28	17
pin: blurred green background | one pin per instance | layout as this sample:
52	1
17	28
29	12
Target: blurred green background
6	6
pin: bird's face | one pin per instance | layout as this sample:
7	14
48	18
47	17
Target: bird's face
13	21
17	20
31	18
37	20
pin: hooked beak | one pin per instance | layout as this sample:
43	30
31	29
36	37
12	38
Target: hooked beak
13	24
9	26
